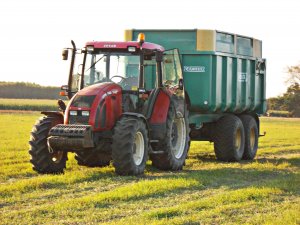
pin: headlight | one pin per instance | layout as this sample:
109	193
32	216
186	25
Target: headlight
73	113
85	113
131	49
90	48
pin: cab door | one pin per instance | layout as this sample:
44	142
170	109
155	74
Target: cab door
172	79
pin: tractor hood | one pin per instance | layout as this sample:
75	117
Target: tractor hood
98	105
96	88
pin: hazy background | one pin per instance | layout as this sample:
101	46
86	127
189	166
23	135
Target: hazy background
33	32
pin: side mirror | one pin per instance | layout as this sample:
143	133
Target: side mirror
180	84
64	54
65	88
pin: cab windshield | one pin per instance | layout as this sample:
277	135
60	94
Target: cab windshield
115	67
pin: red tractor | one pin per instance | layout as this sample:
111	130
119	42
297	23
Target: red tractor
127	101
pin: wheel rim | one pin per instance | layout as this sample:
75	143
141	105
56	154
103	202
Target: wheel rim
138	148
178	136
238	140
57	156
252	137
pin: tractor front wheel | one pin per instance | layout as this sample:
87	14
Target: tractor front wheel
42	160
130	146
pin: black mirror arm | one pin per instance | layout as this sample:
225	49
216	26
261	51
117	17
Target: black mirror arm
180	84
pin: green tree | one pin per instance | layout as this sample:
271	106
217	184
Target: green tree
292	99
293	74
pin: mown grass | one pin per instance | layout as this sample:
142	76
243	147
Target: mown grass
264	191
28	104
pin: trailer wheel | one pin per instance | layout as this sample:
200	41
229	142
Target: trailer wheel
251	137
229	139
176	143
130	146
95	157
42	160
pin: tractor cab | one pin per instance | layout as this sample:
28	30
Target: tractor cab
137	67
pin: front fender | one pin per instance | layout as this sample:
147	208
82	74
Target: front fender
56	114
138	115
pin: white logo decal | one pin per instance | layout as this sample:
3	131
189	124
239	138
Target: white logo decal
194	69
110	46
242	77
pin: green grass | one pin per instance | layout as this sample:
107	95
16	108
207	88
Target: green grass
28	104
264	191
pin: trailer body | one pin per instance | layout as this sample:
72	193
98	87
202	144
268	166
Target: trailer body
223	72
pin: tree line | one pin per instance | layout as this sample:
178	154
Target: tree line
25	90
290	100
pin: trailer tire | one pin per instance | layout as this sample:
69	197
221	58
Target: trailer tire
94	157
175	153
42	160
229	139
130	146
251	136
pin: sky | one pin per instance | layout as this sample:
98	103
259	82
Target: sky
34	32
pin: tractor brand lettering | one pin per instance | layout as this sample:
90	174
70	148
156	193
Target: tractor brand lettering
194	69
114	91
110	46
242	77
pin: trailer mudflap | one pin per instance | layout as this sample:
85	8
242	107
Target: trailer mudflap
70	137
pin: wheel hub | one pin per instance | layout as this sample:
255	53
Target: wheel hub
178	136
57	156
252	137
174	134
138	148
238	140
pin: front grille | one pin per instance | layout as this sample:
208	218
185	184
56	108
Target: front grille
84	120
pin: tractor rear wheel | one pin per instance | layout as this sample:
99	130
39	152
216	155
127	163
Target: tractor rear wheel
130	146
42	160
93	158
229	140
251	136
176	143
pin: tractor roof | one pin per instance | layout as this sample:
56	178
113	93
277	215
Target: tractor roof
124	45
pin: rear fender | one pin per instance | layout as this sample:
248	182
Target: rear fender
160	108
158	112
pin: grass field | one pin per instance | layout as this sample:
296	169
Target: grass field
265	191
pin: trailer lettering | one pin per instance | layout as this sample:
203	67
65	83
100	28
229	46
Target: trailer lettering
194	69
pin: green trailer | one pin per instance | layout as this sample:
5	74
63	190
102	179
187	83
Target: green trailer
225	86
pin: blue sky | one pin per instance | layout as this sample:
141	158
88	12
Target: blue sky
33	32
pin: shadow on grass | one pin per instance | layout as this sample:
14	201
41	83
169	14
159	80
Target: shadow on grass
230	178
277	160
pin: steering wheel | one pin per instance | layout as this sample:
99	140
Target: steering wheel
118	76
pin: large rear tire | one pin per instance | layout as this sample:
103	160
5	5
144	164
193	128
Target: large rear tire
251	137
176	143
130	146
229	139
95	157
42	160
